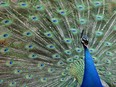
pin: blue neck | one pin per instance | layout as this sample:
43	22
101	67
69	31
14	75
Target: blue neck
91	77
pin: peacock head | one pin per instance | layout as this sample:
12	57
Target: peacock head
84	39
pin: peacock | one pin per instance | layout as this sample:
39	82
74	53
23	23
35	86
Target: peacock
57	43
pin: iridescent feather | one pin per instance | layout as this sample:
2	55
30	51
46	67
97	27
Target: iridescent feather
40	44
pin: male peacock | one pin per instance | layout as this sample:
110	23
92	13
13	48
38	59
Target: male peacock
41	44
91	77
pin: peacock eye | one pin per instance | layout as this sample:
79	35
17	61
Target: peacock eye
92	50
60	63
80	7
50	46
76	57
34	18
1	3
33	55
70	60
42	64
108	53
99	33
4	4
108	44
82	21
6	22
62	79
99	17
51	70
30	46
64	73
38	7
28	76
18	71
56	56
10	62
97	3
44	79
68	40
6	49
54	20
68	52
48	34
73	30
5	35
78	50
28	33
24	4
62	12
12	82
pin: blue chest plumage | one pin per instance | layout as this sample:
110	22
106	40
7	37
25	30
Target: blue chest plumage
91	77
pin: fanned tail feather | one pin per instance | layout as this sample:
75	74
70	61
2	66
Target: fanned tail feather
40	41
